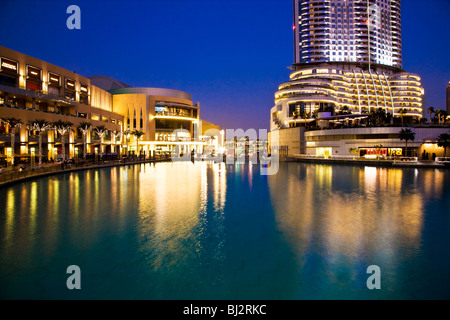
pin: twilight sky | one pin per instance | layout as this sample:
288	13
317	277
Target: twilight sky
230	55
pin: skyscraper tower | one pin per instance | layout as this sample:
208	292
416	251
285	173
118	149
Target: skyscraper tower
366	31
348	63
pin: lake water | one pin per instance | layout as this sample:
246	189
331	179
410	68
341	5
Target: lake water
217	231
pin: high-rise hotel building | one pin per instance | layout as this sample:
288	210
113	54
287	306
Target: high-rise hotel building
348	30
347	56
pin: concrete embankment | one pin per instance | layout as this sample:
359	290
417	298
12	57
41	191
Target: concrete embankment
373	163
11	177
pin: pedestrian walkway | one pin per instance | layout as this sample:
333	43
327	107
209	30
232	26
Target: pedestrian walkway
410	163
9	176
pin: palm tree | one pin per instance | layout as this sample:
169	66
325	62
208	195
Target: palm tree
13	123
101	131
40	126
430	112
438	113
295	116
444	142
63	127
137	134
402	112
316	114
84	127
344	110
305	115
116	134
127	134
407	135
379	115
444	116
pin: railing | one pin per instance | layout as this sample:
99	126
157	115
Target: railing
172	114
11	175
357	157
77	115
21	172
35	93
406	159
442	160
308	156
35	110
313	156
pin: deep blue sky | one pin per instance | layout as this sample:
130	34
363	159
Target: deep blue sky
230	55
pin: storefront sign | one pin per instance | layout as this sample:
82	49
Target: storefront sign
391	152
395	152
9	65
378	152
33	73
70	84
54	79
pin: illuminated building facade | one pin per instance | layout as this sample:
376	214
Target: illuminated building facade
353	87
348	57
359	142
167	117
347	71
373	142
366	31
32	89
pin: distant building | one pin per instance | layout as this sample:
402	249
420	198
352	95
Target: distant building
213	135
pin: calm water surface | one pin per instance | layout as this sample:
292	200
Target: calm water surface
211	231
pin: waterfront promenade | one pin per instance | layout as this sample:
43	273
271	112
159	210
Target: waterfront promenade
10	176
411	162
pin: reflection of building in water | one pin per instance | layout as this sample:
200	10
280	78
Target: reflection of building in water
360	211
294	208
220	185
432	182
172	206
323	176
171	194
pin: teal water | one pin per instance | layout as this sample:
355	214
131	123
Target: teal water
212	231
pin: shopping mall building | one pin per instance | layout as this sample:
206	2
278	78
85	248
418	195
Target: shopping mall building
360	142
32	89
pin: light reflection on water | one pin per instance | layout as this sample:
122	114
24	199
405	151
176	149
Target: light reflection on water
376	209
372	216
212	231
